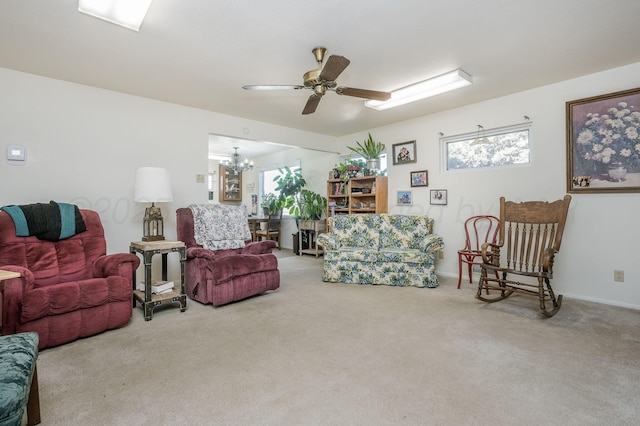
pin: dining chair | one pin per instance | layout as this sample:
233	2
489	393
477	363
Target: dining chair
478	230
273	228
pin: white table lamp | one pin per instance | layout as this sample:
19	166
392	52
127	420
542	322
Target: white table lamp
153	184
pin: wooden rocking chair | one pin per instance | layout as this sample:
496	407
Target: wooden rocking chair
532	232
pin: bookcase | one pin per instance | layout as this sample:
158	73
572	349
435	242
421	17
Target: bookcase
357	195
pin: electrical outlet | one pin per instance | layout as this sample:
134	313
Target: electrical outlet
441	254
618	276
199	178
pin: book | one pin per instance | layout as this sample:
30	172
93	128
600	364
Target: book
158	287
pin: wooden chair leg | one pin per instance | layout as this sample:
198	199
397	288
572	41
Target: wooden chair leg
33	404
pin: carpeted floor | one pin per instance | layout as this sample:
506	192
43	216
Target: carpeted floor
315	353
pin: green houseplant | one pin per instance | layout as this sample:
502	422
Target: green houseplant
270	203
349	168
312	205
370	150
289	184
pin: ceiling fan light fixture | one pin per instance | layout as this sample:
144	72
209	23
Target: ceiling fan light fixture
126	13
424	89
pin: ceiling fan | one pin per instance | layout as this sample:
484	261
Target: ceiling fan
322	79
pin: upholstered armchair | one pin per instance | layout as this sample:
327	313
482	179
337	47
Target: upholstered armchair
223	265
68	288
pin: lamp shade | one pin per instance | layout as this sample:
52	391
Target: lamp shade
153	184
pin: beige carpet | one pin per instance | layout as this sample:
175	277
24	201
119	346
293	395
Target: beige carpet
315	353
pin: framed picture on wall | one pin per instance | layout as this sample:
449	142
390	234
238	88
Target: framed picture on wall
404	198
603	144
404	152
420	178
438	196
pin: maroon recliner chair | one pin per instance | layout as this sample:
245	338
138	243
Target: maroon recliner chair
68	288
226	275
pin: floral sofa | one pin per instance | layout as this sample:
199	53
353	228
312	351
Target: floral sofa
380	249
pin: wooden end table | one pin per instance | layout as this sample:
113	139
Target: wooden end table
146	298
315	227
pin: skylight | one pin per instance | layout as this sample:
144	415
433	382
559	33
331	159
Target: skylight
126	13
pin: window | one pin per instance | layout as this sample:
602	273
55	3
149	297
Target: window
211	178
502	146
267	184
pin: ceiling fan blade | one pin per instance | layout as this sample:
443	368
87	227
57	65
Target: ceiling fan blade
334	67
362	93
272	86
312	104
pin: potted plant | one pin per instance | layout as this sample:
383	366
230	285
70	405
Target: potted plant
371	151
270	203
350	168
312	205
289	184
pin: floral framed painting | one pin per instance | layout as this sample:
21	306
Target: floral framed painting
404	153
420	178
603	143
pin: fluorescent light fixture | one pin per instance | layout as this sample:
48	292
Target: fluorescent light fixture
434	86
126	13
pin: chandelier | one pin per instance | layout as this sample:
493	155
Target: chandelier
235	165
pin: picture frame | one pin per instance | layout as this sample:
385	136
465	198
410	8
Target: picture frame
404	198
420	178
438	197
404	153
603	145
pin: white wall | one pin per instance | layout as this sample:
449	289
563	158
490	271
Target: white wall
84	144
602	233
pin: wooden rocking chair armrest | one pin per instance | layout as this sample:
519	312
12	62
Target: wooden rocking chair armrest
491	254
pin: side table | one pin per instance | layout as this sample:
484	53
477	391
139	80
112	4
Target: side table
314	227
148	300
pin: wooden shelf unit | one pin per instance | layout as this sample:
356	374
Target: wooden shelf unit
375	201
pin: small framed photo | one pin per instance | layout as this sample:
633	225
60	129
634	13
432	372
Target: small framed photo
404	152
405	198
438	196
420	178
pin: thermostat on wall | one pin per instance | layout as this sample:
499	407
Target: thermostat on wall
16	154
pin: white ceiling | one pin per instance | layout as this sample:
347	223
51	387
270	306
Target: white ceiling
200	53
